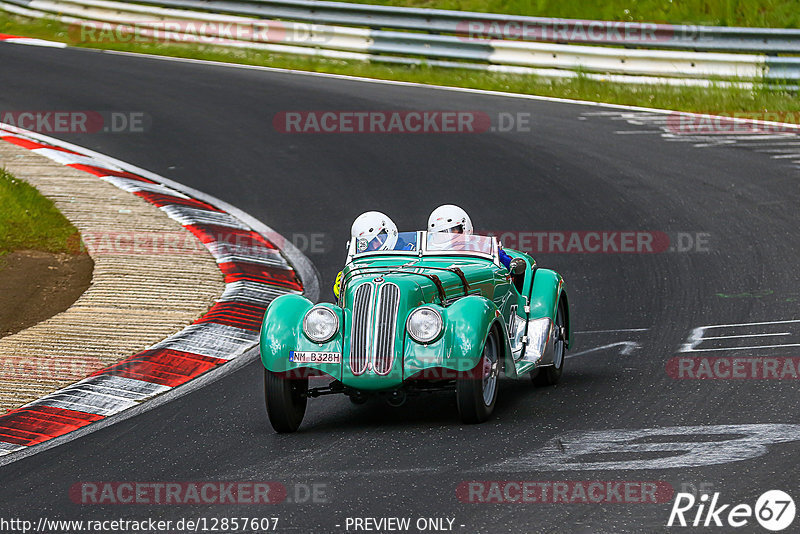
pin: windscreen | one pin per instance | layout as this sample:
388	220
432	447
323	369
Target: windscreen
405	241
456	243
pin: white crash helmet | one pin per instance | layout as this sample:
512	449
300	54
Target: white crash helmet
450	219
373	230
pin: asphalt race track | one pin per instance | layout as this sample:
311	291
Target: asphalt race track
212	129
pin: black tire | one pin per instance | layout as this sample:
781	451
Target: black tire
285	400
549	376
476	397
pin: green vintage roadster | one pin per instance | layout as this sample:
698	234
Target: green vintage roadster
436	312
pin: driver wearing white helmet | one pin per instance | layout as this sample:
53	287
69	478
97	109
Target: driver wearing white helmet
454	220
371	231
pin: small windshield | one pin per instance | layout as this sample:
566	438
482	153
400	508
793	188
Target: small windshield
439	243
447	242
406	242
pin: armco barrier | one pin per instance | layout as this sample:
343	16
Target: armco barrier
499	26
630	52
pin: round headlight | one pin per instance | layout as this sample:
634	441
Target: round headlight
320	324
424	325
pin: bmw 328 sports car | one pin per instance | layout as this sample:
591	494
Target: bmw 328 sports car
438	311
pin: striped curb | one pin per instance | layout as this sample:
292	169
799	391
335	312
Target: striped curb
255	271
150	274
16	39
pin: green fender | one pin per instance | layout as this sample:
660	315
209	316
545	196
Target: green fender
547	290
459	348
282	331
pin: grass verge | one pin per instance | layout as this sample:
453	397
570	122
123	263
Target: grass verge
715	99
30	221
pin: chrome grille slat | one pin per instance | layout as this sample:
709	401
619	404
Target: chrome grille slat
385	327
359	337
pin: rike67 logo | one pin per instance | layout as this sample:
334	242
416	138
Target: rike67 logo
774	510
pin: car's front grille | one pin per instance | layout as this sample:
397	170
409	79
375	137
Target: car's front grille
385	326
360	334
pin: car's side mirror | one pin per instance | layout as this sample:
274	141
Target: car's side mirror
517	266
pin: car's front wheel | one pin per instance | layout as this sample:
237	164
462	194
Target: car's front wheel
476	395
286	401
551	375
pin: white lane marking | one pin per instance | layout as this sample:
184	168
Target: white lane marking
728	138
763	145
611	331
787	321
766	135
712	145
750	335
697	336
757	347
369	472
628	348
573	451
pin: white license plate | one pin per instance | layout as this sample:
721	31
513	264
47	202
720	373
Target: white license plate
314	357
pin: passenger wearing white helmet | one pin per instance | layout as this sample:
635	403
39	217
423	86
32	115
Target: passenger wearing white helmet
449	218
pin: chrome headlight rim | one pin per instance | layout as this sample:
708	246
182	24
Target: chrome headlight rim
334	330
439	319
539	331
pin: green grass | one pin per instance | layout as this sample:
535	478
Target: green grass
714	99
30	221
756	13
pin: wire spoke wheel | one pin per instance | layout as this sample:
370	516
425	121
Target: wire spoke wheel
476	395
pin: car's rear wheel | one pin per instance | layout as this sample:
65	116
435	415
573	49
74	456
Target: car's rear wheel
476	395
548	376
286	401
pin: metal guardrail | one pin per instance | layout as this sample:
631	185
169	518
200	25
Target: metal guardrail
641	52
498	26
